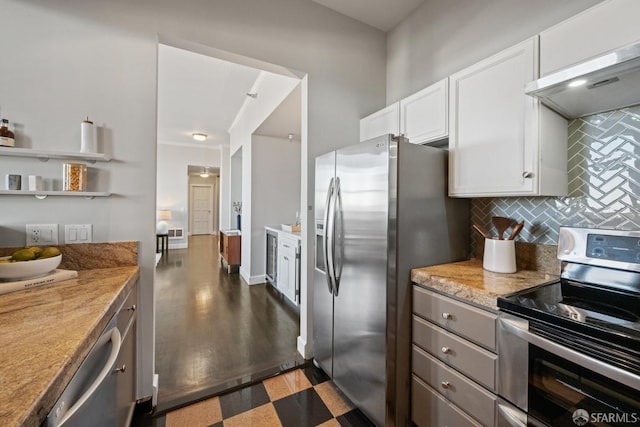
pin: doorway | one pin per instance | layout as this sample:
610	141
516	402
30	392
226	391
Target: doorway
203	200
207	320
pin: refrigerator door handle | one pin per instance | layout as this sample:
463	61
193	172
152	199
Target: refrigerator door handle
337	237
325	236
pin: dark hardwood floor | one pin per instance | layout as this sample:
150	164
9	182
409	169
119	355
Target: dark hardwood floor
213	331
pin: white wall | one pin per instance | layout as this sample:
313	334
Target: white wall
236	180
225	188
72	58
444	36
272	89
275	186
172	182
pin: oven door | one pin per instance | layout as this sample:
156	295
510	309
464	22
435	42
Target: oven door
554	385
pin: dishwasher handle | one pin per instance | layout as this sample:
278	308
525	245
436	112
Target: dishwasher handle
116	340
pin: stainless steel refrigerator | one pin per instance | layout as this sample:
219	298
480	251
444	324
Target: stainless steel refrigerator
381	209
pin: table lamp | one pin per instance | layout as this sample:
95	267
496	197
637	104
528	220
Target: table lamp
162	227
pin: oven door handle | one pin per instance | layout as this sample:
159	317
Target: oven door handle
511	416
520	329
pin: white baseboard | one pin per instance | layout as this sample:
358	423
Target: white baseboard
154	396
252	280
178	245
303	348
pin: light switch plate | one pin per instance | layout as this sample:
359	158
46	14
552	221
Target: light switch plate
78	233
42	234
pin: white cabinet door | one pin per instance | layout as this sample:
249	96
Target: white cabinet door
424	115
287	251
381	122
495	130
602	28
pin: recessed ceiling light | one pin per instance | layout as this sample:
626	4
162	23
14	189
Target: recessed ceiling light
199	136
205	173
577	83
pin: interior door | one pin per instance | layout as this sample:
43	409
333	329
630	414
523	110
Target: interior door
201	209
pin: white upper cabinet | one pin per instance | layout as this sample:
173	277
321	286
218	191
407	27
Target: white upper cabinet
424	115
381	122
600	29
501	141
421	117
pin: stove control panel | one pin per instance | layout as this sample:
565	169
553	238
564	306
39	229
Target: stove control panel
614	248
608	248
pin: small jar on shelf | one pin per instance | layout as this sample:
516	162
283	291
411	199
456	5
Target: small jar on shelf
7	138
74	177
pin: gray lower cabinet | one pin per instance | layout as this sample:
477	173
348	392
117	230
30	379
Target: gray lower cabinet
125	368
454	362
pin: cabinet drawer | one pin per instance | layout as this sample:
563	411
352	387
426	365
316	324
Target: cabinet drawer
470	322
468	358
128	310
467	395
429	409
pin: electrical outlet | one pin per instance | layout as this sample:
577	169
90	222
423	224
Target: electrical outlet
42	234
78	233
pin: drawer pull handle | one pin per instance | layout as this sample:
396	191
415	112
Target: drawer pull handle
447	316
446	350
445	384
124	368
132	308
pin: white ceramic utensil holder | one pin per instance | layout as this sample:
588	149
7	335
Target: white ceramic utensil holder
499	256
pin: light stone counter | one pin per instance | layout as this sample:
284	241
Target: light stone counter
467	280
280	231
46	332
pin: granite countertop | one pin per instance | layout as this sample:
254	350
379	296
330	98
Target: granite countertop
467	280
46	332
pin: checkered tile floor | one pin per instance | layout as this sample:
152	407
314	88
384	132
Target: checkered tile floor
299	398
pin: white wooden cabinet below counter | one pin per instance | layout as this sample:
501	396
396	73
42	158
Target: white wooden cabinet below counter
501	141
283	262
604	27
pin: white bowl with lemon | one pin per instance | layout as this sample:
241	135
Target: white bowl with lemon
25	265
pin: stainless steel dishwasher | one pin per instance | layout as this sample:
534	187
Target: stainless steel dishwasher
89	399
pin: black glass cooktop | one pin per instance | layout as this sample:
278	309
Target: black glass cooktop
606	315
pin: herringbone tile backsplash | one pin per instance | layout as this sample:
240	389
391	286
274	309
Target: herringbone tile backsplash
604	182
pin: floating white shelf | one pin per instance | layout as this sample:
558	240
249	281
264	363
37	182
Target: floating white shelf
45	194
45	155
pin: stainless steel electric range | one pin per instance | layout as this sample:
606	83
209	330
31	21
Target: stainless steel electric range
569	350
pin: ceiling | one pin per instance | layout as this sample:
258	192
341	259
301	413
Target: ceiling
199	93
202	94
381	14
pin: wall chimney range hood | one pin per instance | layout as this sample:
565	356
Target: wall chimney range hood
604	83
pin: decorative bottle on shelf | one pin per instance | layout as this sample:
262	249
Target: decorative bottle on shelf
7	138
